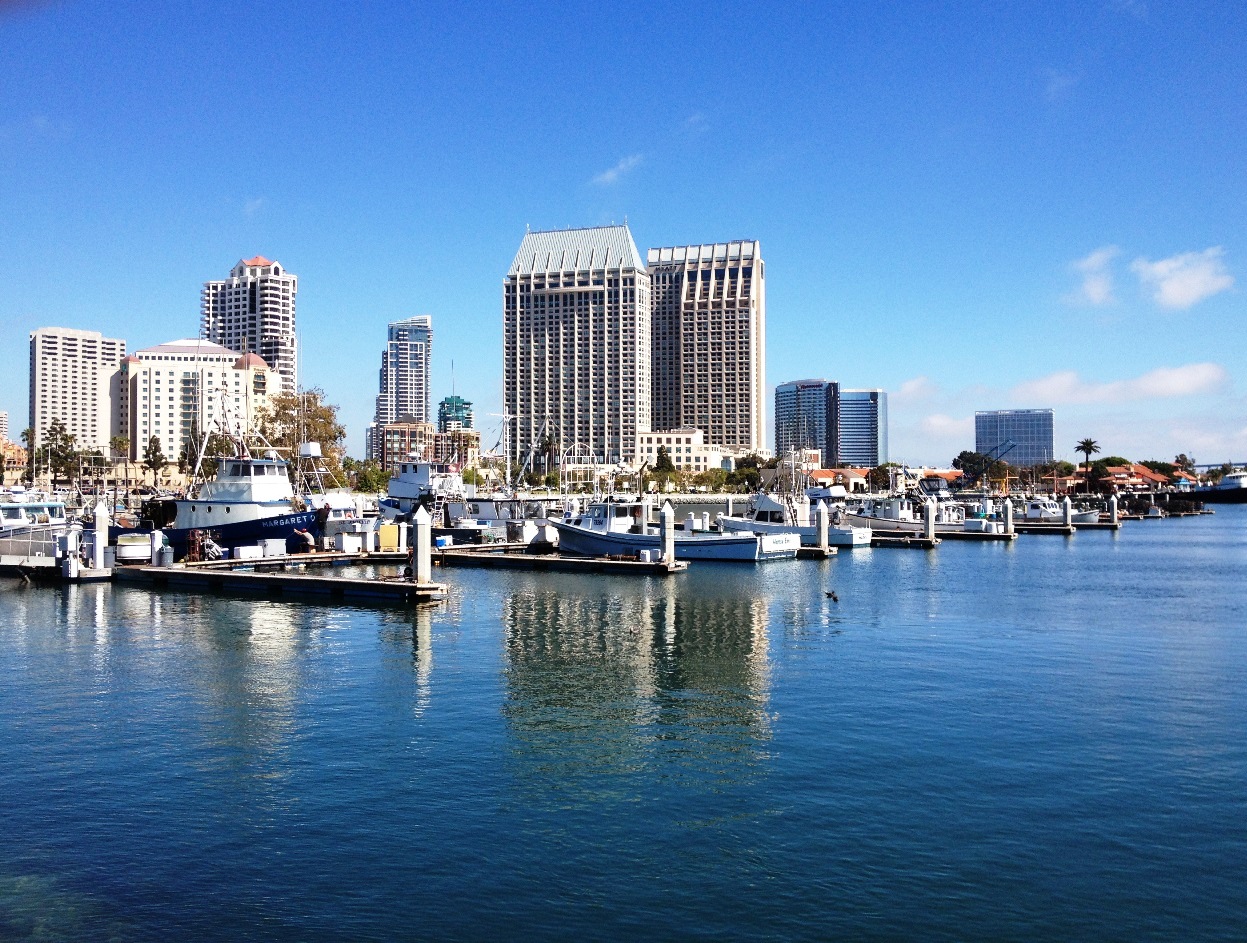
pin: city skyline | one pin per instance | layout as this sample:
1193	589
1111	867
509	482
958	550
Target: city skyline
972	209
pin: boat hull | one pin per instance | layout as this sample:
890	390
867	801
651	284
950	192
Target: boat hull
847	537
747	548
237	533
1213	495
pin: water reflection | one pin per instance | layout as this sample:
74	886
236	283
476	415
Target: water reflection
609	685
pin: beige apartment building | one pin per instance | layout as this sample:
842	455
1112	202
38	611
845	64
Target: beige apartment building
576	343
186	387
253	311
709	342
74	378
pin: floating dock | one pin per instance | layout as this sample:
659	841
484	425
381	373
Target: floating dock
911	541
1035	527
516	557
975	535
284	585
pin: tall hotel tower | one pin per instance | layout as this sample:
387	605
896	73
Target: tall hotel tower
405	372
576	342
709	347
74	378
252	311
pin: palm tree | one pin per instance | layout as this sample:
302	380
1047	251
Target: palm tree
1087	447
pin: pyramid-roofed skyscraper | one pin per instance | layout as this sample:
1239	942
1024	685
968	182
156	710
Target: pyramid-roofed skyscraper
576	343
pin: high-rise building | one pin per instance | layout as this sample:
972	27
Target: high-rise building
863	418
454	413
404	391
4	426
708	341
177	391
74	378
252	311
807	416
576	343
1021	437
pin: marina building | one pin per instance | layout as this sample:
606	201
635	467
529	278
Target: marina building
576	343
404	392
253	311
1021	437
863	422
708	342
179	390
74	379
454	413
687	449
807	416
400	441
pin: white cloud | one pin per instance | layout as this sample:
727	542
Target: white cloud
1067	387
915	390
1184	279
251	207
696	122
939	425
1097	277
608	177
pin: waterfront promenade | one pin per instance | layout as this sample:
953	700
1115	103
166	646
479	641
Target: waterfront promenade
1041	739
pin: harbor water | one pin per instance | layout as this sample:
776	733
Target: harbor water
1041	740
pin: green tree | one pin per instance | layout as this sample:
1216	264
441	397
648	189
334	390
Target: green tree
1185	463
291	418
1088	447
663	462
32	451
880	477
153	458
370	477
58	452
713	479
119	447
1161	468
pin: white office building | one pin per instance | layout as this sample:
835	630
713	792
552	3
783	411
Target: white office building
253	311
73	378
4	426
176	392
576	343
708	342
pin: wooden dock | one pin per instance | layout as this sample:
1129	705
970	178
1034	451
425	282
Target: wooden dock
284	585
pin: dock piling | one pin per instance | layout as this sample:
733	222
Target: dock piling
822	521
666	530
1008	512
423	556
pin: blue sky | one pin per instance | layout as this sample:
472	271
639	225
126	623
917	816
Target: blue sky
995	205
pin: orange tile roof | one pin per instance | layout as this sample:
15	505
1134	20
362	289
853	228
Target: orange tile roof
258	260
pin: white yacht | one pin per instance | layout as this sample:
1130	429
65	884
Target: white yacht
789	514
611	528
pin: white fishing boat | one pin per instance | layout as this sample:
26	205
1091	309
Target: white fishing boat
789	514
249	498
620	528
900	514
418	484
29	525
1042	510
